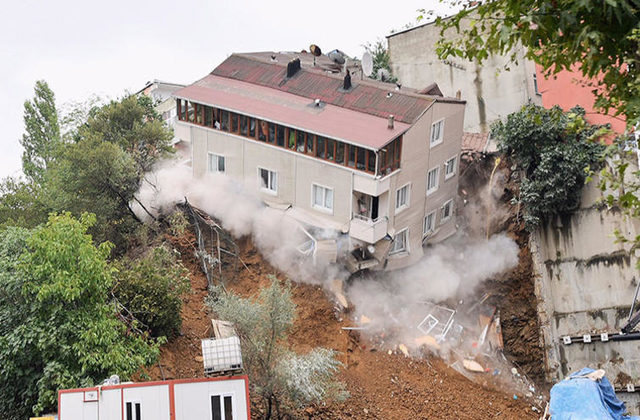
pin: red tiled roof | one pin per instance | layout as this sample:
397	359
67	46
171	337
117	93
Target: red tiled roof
292	110
475	142
376	99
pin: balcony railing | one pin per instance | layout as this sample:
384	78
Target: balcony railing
368	230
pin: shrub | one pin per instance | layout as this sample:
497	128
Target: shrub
150	288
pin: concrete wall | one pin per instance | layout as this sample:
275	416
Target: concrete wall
490	91
584	284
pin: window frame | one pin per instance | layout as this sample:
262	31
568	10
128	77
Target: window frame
434	142
437	185
455	167
405	249
133	409
267	189
444	219
427	232
407	202
322	208
218	156
222	405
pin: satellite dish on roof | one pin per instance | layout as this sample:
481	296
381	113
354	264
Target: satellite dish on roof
337	56
315	50
367	64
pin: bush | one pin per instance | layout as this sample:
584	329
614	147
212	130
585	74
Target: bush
58	328
150	288
554	150
280	377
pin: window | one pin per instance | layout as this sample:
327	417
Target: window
320	147
133	411
263	132
535	84
300	141
225	120
360	163
399	242
310	141
429	223
268	180
243	125
208	116
340	153
437	129
280	136
216	163
446	211
450	168
432	180
252	127
402	197
221	407
322	198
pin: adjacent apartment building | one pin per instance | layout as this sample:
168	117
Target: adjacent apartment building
491	91
374	163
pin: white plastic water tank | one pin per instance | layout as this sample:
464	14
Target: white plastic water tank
220	355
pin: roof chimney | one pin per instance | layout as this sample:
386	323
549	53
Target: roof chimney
390	125
293	66
347	81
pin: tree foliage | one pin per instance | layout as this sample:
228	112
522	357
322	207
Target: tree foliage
59	328
553	149
150	287
102	169
42	133
381	61
599	39
280	377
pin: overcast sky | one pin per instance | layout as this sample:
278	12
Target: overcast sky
84	47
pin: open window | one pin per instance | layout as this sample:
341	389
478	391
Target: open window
446	211
450	167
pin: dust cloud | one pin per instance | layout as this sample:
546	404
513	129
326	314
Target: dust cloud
242	213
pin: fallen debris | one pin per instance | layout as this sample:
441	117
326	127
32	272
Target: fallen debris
472	365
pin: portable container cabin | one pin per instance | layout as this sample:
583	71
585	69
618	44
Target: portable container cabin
221	398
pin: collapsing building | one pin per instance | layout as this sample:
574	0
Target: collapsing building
373	162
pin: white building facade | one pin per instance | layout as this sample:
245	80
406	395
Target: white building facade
374	163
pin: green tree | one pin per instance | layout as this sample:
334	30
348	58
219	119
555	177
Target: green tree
281	378
20	204
598	39
150	287
103	168
59	328
42	133
553	149
381	61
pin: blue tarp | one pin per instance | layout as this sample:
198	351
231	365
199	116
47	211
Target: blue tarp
584	399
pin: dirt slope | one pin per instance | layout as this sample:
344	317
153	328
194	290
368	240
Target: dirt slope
382	385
